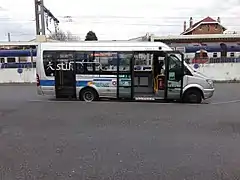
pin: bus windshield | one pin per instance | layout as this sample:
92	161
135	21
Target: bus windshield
178	60
174	61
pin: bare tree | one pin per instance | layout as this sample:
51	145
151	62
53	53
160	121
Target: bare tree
62	36
71	37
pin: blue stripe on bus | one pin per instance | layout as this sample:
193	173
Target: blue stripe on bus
82	83
47	83
108	79
78	83
52	83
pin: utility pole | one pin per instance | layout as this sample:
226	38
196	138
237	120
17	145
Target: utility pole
40	11
9	37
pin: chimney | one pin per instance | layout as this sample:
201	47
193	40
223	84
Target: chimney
184	26
191	22
219	20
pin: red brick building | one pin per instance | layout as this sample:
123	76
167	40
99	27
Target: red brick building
206	26
205	31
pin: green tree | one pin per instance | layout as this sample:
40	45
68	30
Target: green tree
91	36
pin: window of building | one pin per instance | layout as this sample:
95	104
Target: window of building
232	54
215	55
208	27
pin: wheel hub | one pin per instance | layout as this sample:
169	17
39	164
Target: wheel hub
88	96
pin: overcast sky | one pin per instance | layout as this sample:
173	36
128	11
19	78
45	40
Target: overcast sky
116	19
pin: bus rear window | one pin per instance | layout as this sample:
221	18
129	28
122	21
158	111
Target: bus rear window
48	61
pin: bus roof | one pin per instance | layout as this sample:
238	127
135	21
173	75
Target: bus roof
106	46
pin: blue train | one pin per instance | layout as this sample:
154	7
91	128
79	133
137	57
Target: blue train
212	55
11	58
212	48
18	53
211	52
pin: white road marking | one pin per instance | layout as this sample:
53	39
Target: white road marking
109	101
50	101
165	103
226	102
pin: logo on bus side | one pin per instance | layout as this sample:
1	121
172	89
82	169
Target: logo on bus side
69	66
62	66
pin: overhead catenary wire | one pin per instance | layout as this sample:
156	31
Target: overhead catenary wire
105	17
117	23
150	17
133	17
103	21
119	20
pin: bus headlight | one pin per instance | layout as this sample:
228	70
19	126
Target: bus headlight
210	82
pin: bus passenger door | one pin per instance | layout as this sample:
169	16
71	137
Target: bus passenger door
125	75
158	74
65	77
174	71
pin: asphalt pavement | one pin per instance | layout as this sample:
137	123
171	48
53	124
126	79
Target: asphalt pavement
44	139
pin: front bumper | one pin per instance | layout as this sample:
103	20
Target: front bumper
208	93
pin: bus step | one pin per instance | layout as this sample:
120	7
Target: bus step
144	98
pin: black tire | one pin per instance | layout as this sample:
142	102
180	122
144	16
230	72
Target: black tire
192	96
88	95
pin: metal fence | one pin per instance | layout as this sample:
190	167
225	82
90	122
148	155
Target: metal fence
212	60
18	65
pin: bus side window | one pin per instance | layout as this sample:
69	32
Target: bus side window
125	60
11	59
106	61
84	62
2	60
215	55
48	62
232	54
174	65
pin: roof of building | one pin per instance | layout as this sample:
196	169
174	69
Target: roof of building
32	42
18	43
137	38
200	36
48	39
207	20
141	38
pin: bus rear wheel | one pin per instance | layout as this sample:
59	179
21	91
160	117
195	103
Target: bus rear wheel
192	96
88	95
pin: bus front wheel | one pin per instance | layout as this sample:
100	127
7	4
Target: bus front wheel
192	96
88	95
